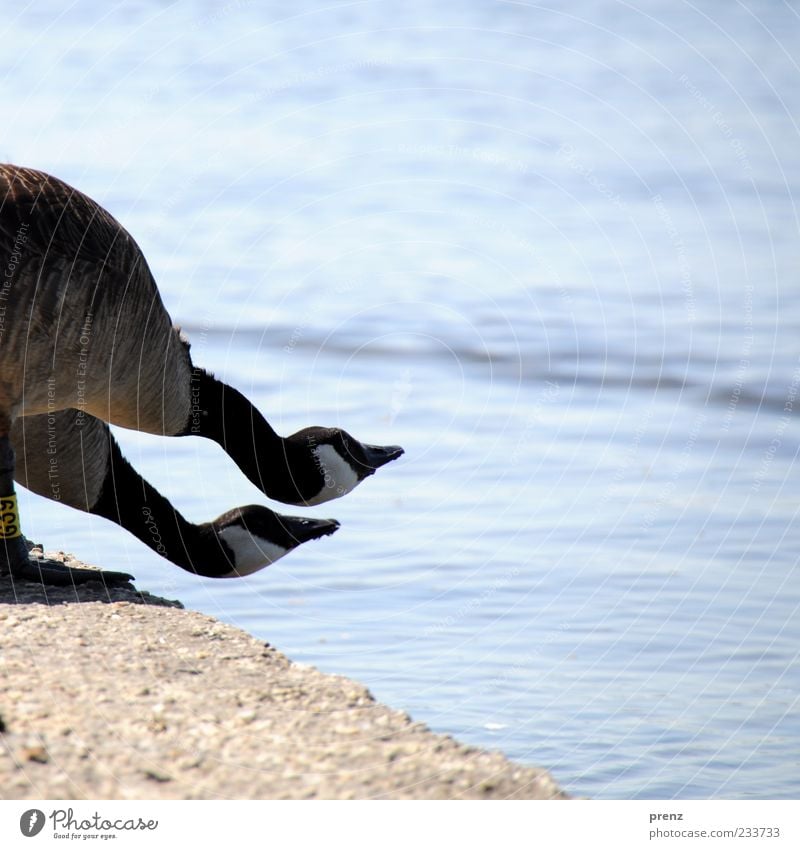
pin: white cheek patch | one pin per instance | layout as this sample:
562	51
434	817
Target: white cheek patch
251	553
340	477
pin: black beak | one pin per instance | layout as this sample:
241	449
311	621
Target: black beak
376	456
302	530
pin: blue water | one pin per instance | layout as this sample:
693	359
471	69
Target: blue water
551	250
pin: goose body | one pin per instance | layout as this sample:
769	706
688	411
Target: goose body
85	341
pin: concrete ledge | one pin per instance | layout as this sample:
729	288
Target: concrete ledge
115	694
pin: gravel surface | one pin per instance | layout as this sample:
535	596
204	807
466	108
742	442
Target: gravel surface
109	693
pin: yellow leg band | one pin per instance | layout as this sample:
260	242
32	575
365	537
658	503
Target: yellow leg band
9	517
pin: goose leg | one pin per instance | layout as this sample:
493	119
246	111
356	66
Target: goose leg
91	475
36	471
13	551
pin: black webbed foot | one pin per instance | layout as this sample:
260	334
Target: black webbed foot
55	573
32	566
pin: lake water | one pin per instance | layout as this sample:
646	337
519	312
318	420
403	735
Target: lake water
551	251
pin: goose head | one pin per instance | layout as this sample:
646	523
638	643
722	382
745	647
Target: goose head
326	463
253	537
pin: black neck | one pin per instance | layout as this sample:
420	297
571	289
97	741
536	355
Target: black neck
275	465
129	500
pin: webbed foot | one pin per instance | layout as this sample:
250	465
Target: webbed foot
34	566
54	573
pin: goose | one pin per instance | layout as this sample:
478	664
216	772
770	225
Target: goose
85	341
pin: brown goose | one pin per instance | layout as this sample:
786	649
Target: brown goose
85	340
